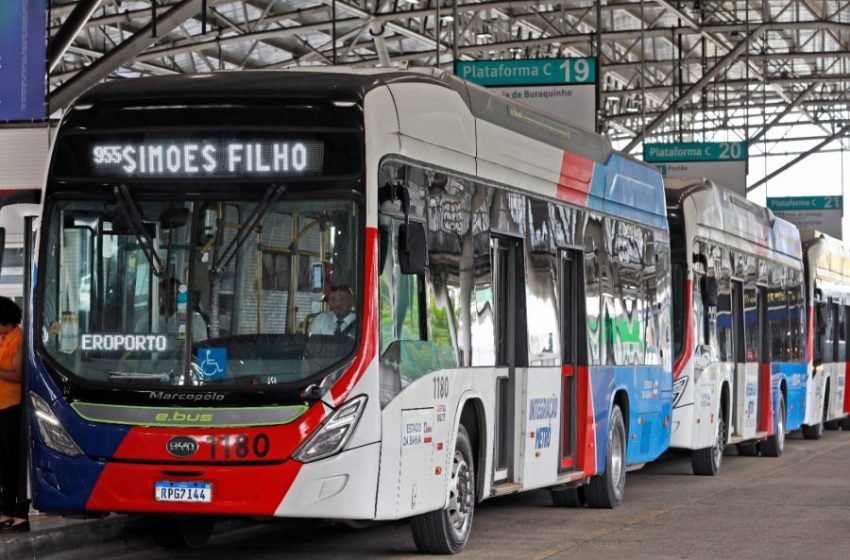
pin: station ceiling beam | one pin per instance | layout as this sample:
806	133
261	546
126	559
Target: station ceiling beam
69	30
730	57
131	47
841	133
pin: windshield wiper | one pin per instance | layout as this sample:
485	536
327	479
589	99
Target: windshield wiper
257	213
137	224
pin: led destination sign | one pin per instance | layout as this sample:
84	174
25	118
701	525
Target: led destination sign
206	158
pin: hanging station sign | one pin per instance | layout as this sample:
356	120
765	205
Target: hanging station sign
821	213
565	87
725	163
22	55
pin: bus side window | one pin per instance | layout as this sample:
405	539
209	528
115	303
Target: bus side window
777	319
820	331
724	324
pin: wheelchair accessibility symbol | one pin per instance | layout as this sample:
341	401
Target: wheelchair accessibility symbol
211	363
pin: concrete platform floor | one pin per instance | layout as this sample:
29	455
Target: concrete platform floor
796	506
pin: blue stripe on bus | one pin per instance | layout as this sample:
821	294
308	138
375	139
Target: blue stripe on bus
648	436
795	377
63	483
629	189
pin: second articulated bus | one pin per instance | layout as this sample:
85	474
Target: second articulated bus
738	284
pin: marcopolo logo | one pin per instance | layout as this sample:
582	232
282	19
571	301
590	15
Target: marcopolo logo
181	446
193	397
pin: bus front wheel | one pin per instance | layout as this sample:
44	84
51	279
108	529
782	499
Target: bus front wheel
446	531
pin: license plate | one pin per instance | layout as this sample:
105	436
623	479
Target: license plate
193	492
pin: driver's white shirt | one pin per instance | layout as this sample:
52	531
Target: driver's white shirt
325	323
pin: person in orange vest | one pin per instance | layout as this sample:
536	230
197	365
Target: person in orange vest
13	505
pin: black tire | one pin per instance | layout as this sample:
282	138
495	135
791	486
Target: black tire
183	533
569	497
748	449
446	531
830	425
816	431
775	444
707	462
845	423
605	491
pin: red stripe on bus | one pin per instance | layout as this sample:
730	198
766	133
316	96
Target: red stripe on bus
847	387
567	416
236	489
688	350
369	337
575	179
766	398
586	428
144	443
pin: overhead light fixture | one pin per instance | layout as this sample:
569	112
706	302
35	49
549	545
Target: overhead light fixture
448	18
412	2
484	35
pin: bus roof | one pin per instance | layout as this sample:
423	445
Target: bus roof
827	254
726	216
620	184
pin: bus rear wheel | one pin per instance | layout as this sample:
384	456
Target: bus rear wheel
605	491
446	531
706	462
845	423
775	444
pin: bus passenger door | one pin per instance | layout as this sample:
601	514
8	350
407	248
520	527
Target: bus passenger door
511	350
765	393
572	331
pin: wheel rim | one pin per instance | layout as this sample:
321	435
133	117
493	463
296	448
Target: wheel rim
780	426
461	495
719	444
618	474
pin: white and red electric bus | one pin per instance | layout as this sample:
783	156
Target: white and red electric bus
342	294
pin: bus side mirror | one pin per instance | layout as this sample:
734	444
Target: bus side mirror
2	246
709	291
821	318
412	250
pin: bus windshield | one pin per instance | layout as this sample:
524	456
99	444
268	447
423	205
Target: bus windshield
152	292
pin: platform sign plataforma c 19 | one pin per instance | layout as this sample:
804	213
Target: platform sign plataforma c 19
565	87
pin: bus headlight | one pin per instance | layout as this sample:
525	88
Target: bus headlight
332	436
52	432
679	388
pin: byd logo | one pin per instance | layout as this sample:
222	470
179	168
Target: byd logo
181	446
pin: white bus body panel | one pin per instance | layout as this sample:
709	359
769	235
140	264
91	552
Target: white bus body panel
696	412
419	433
339	487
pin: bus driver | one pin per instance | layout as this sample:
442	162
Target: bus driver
340	318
